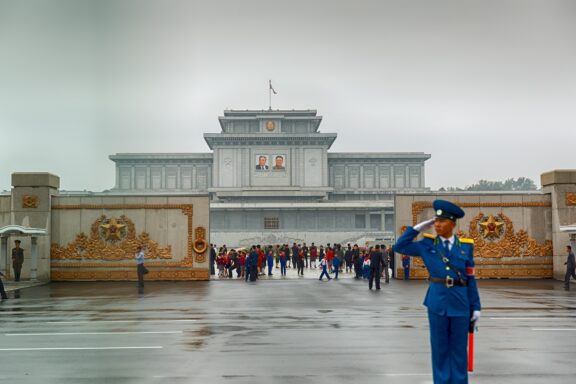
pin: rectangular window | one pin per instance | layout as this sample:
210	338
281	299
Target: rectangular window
254	126
125	176
202	178
389	223
369	177
271	223
399	177
354	176
338	177
414	177
187	178
171	177
140	175
287	126
376	221
156	177
360	221
384	177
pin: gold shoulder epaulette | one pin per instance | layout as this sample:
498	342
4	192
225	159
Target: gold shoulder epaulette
466	240
429	236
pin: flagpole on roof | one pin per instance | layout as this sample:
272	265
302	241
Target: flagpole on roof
269	95
270	91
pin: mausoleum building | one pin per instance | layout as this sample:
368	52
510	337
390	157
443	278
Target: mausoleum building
271	179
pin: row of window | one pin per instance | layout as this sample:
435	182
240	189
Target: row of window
359	222
369	179
151	178
312	221
253	126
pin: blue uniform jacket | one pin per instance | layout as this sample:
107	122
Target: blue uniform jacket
441	300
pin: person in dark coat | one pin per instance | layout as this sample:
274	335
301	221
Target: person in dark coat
295	253
252	265
385	270
391	261
212	259
17	259
570	268
357	260
348	258
376	264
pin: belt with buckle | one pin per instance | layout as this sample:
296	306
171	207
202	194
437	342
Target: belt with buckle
448	281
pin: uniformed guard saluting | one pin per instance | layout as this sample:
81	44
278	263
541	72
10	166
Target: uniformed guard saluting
452	298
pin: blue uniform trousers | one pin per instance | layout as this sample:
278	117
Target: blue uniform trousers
283	267
406	273
449	341
325	272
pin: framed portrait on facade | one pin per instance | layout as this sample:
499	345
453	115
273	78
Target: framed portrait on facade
262	163
279	163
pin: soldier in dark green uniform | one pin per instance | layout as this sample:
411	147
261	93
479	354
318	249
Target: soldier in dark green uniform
17	259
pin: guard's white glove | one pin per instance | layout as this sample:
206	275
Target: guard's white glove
424	225
475	317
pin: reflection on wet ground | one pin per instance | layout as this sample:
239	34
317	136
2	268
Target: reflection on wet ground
274	331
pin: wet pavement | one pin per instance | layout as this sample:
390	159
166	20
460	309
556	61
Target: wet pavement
274	331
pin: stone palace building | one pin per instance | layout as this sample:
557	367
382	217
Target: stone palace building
271	179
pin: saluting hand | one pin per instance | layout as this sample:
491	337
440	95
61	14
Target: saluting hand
424	225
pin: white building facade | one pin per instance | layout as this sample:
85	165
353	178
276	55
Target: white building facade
272	180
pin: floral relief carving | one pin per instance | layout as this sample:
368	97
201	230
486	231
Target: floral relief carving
500	251
101	245
512	244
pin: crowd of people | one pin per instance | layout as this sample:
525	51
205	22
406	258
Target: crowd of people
332	259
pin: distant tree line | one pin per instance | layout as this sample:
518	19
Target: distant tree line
519	184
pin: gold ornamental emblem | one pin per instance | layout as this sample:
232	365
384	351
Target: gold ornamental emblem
270	125
113	229
30	201
492	227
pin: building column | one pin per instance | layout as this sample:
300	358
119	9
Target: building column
34	259
132	177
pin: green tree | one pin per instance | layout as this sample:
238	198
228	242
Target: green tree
519	184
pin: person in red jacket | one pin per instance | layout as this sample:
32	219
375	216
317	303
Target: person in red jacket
313	255
261	259
329	257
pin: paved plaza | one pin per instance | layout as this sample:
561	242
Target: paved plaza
274	331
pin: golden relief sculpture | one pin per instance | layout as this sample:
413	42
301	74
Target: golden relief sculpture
492	228
570	198
68	265
113	230
511	245
499	251
110	240
200	244
30	201
123	275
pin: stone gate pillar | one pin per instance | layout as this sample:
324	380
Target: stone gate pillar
31	207
561	185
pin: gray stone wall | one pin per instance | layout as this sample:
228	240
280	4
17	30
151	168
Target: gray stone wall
561	186
166	226
522	245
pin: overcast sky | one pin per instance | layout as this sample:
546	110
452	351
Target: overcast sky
488	88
